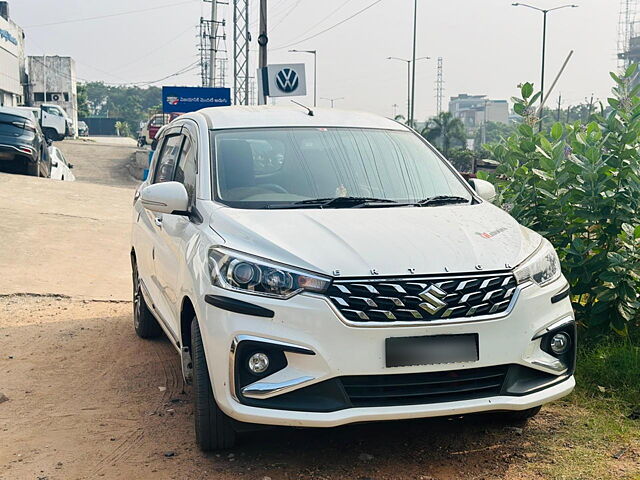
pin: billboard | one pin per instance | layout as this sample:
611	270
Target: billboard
284	80
190	99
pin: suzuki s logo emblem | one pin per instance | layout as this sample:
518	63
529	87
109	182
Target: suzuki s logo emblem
287	80
432	297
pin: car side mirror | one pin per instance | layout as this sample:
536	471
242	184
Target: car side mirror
70	165
166	197
49	141
484	189
54	164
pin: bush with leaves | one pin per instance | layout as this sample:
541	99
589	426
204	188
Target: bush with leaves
579	185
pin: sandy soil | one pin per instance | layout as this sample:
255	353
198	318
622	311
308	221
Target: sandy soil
88	399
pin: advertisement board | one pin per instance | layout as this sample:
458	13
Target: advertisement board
190	99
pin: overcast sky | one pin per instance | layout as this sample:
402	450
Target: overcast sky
488	46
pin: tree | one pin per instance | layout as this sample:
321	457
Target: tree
83	101
463	159
495	132
130	104
445	131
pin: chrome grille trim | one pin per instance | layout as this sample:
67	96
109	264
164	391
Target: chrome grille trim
455	298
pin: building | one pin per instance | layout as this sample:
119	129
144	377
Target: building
12	60
474	110
52	79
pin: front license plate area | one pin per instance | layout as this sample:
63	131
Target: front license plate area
431	350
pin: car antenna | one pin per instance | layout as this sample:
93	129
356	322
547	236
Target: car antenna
309	111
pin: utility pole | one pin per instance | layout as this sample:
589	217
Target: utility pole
44	77
559	105
263	40
413	57
212	43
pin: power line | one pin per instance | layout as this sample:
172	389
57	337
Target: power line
284	17
76	20
340	7
329	28
155	50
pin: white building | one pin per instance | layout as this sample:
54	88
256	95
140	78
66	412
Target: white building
474	110
52	79
12	60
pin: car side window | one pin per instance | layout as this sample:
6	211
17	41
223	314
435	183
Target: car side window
187	168
168	157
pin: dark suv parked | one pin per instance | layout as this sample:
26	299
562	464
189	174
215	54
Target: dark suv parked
23	148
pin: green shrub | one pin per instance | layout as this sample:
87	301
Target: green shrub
579	185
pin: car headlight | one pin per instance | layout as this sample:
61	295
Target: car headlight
248	274
542	267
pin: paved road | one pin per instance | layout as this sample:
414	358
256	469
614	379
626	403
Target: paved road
100	160
70	238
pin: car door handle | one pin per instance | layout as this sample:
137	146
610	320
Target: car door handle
158	221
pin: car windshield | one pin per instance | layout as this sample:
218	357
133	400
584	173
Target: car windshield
277	167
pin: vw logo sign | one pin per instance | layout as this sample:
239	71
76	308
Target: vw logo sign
287	80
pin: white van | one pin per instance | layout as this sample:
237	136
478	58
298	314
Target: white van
323	268
55	123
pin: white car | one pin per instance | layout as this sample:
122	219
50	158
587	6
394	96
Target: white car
60	168
318	270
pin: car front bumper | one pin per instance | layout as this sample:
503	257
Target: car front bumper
321	348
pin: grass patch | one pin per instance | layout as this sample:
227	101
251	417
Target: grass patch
610	372
592	434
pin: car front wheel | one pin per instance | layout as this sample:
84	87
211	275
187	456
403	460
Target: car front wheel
214	429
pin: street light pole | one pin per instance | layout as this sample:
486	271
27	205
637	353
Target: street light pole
332	100
409	96
544	37
413	56
315	73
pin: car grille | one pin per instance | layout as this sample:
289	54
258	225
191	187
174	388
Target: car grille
423	299
421	388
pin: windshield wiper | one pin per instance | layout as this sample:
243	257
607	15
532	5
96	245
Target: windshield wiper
338	202
442	200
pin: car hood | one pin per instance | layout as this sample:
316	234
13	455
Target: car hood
380	241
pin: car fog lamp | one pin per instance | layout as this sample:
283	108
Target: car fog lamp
560	343
258	362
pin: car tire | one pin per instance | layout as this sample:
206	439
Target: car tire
214	429
520	416
144	322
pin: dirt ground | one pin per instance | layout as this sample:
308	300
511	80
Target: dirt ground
81	397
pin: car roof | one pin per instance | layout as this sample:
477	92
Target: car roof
292	116
17	112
